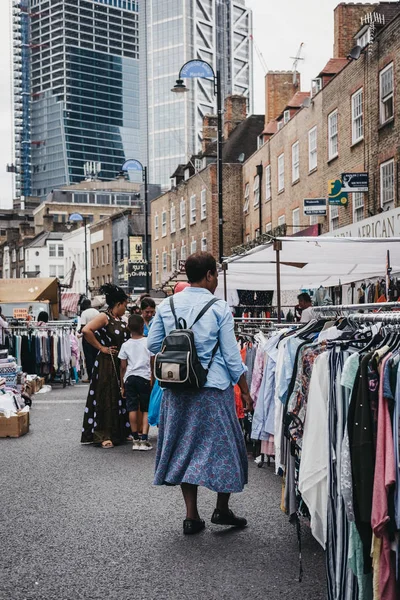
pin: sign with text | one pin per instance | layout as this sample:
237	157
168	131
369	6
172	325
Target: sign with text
335	194
135	248
20	313
355	182
196	68
137	276
315	206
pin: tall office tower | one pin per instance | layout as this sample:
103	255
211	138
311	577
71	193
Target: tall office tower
76	93
173	32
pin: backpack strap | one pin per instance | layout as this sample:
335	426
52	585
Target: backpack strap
204	310
179	323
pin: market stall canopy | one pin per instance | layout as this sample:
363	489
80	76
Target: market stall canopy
29	290
309	262
69	303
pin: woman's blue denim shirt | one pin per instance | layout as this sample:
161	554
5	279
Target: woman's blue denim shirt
216	324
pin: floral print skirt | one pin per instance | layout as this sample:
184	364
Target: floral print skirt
200	441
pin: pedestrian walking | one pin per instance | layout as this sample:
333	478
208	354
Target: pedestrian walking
148	308
136	363
200	442
90	352
105	421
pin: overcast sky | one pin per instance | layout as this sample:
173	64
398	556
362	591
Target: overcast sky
279	28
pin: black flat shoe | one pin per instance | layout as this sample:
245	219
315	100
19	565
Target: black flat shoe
192	526
228	518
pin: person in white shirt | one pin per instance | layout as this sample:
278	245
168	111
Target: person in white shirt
88	314
305	305
3	328
136	367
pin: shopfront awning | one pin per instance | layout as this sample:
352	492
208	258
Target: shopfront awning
308	263
69	303
29	290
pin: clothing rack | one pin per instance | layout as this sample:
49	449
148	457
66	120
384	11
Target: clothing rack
335	308
376	318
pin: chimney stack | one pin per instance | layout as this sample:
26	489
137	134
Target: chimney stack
347	24
235	113
279	90
210	129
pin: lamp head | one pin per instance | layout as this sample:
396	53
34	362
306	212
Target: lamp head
179	87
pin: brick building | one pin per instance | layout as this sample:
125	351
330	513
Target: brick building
185	219
350	123
101	254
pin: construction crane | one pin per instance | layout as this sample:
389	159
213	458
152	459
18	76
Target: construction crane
259	54
296	60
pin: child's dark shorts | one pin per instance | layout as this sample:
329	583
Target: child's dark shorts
137	391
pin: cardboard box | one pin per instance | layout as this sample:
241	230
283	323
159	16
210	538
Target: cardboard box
14	426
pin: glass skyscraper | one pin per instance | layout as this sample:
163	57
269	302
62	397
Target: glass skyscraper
76	92
173	32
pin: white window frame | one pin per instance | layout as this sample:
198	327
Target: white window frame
203	204
281	220
246	198
60	271
52	270
268	190
286	116
358	206
52	250
204	244
164	223
256	191
295	162
296	220
312	149
183	252
193	246
333	134
268	227
156	227
281	172
193	209
173	219
21	272
313	219
157	267
164	262
182	213
60	251
333	217
386	95
21	253
387	176
174	259
357	116
13	255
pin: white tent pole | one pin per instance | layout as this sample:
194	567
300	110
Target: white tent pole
278	248
224	269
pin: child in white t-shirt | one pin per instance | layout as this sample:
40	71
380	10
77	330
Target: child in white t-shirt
136	378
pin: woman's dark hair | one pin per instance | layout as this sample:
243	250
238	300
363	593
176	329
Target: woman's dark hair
43	316
135	310
85	304
147	302
198	265
113	294
136	324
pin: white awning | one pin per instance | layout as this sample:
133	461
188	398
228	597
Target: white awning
311	262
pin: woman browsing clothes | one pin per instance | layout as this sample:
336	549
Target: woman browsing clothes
148	308
200	442
105	420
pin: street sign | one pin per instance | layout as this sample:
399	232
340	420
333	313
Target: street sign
315	206
355	182
132	165
196	68
336	196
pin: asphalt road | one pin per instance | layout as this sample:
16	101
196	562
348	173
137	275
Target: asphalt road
78	522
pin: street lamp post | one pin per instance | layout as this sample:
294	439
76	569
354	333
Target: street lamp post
201	69
135	165
76	218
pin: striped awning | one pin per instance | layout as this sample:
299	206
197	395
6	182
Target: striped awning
69	303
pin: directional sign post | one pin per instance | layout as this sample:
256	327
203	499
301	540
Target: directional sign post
355	182
315	206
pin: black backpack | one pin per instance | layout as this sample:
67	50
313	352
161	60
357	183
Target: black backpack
177	366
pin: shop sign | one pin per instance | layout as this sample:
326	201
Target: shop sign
137	276
20	313
384	225
135	248
315	206
123	272
336	196
355	182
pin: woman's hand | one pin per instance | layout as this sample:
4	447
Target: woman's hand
122	392
248	400
109	350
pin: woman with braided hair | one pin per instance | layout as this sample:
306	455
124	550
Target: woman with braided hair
105	420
